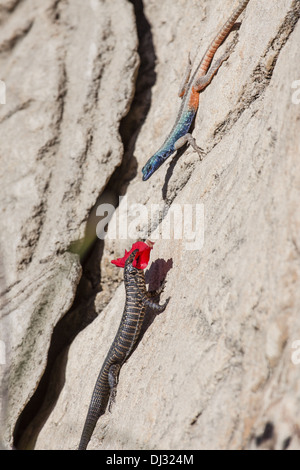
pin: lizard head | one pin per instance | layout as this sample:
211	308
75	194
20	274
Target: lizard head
138	256
129	268
155	162
131	257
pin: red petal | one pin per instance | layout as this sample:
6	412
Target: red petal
141	258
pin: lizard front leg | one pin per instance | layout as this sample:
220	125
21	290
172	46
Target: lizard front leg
155	293
189	139
154	306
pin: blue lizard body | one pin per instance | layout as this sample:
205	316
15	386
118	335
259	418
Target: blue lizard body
180	129
179	134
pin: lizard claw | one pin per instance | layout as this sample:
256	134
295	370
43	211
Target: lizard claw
201	153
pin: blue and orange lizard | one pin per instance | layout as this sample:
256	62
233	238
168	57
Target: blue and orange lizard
189	91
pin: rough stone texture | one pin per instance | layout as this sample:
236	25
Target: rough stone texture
62	63
217	369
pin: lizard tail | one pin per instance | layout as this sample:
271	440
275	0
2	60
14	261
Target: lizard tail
89	426
224	31
97	406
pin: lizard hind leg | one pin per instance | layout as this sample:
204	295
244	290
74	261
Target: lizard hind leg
185	78
113	375
204	80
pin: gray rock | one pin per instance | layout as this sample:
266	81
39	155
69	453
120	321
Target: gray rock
69	72
219	368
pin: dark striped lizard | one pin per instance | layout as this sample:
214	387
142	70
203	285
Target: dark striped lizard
137	299
189	92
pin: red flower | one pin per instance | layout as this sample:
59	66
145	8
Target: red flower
141	259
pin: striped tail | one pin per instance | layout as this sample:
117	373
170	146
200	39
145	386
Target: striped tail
97	406
88	430
224	31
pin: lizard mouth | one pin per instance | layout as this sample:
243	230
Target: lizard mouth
151	166
147	172
155	162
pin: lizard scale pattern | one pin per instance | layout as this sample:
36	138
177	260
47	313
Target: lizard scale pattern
179	134
137	299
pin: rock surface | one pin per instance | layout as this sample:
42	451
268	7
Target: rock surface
219	368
